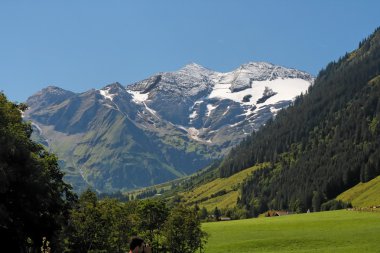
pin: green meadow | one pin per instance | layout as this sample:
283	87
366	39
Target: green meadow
206	195
333	231
363	194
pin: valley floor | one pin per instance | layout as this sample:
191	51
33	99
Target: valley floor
333	231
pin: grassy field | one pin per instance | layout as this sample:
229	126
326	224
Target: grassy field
203	194
363	194
334	231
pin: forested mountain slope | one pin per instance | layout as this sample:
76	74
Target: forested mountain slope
325	143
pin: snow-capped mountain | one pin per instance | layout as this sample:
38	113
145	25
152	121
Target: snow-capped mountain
166	126
209	104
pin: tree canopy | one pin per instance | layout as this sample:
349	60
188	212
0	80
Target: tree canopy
34	200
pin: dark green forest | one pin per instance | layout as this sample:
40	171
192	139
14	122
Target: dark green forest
324	143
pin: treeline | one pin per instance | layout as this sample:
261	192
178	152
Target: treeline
323	144
38	209
107	225
114	195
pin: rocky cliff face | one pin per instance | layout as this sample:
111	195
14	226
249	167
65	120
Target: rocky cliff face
166	126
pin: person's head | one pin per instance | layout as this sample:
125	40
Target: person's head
137	245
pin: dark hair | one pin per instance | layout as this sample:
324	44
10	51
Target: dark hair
135	241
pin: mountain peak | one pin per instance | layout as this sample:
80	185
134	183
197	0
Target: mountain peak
114	86
259	64
194	67
112	90
53	89
49	95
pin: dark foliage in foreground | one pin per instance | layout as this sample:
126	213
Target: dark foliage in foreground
34	200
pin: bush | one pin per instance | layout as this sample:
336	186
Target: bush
335	205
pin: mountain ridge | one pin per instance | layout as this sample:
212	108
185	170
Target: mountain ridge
135	129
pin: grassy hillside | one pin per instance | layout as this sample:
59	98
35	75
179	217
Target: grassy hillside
335	231
221	192
363	194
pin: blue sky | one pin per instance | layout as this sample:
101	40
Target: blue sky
84	44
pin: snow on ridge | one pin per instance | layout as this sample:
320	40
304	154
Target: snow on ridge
193	115
210	108
153	112
287	89
274	110
138	97
105	93
227	110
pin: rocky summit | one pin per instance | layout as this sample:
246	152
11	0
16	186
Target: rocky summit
164	127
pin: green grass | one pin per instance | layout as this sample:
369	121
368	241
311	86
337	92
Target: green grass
363	194
334	231
202	194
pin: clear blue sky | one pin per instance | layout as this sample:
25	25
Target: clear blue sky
84	44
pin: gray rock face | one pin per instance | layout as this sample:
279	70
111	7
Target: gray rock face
191	98
51	95
166	126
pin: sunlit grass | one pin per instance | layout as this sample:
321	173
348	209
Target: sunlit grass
335	231
363	194
231	185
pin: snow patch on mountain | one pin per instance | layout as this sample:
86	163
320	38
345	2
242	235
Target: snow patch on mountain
274	110
193	115
153	112
106	94
227	110
286	89
138	97
210	108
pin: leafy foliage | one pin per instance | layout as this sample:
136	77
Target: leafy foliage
95	225
34	200
106	226
183	232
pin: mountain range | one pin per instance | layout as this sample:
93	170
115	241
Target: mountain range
164	127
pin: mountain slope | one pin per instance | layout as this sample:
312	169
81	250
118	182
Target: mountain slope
99	138
363	194
325	143
221	192
164	127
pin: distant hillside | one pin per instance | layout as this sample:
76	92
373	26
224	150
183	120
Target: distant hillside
220	192
325	143
363	194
